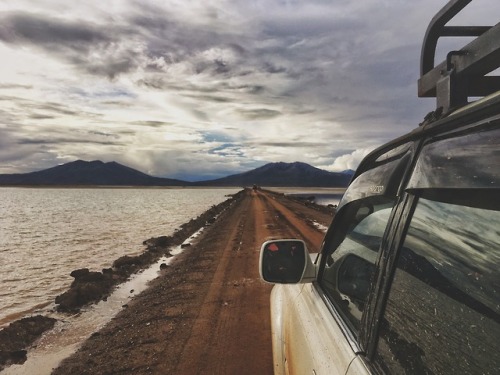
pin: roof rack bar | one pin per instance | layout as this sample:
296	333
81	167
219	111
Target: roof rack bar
464	30
464	73
435	30
479	57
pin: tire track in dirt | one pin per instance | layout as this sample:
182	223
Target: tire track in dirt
290	225
233	324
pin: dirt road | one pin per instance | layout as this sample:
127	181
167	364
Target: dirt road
208	313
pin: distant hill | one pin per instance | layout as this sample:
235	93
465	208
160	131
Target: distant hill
114	174
88	173
284	174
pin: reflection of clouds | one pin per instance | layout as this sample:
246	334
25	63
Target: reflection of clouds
376	223
364	185
468	161
461	243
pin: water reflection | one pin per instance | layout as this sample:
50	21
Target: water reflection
461	243
443	312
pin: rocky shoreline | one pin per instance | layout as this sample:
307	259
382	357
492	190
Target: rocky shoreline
93	286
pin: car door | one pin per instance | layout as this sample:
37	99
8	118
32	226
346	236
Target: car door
321	321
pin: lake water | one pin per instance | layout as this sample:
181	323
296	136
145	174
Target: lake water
47	233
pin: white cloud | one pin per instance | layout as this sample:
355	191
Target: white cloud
348	161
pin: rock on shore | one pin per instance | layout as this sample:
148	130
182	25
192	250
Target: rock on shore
18	335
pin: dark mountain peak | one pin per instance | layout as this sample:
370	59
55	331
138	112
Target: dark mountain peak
80	162
284	174
283	164
75	165
96	172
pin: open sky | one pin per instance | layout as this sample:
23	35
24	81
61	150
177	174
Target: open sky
205	88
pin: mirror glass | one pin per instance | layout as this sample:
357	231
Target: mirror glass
283	261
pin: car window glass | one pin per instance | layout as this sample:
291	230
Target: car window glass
353	241
443	310
350	268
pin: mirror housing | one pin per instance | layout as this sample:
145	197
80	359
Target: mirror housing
286	261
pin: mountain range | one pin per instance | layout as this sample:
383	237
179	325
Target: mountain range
98	173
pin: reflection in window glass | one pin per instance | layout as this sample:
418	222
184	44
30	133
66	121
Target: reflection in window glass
469	161
443	311
350	268
355	236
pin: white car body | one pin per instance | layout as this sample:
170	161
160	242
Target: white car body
306	337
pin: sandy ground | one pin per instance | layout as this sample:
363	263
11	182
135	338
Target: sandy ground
208	313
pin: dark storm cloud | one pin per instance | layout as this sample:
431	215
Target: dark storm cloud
157	83
116	103
36	116
294	28
200	115
168	38
174	38
29	28
39	110
62	140
10	86
10	151
48	110
55	108
89	47
273	69
152	124
102	134
53	137
211	98
295	144
259	114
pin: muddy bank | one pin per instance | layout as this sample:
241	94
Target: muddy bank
92	286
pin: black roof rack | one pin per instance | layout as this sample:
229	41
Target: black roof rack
464	72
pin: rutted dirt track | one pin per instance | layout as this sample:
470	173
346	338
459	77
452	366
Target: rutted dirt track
208	313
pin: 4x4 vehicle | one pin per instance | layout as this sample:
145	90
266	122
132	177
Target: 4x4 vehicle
408	278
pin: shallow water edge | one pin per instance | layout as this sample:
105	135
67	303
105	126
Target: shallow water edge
71	330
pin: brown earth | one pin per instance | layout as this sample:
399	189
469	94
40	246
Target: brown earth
208	313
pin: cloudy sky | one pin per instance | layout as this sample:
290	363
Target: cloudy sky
204	88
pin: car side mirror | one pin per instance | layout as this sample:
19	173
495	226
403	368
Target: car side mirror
285	262
354	277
